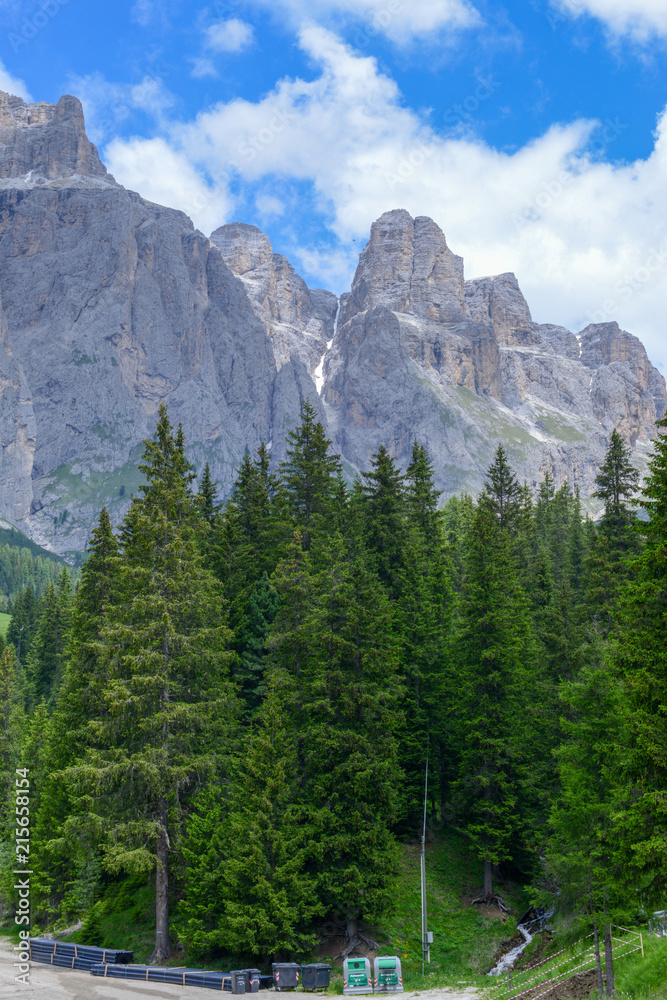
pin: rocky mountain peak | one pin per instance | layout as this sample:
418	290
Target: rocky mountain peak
243	247
498	302
47	143
299	320
407	267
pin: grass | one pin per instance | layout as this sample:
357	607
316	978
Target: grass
640	978
465	942
4	623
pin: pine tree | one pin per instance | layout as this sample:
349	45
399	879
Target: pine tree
167	708
641	654
309	474
251	879
497	669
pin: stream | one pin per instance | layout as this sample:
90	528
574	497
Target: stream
531	922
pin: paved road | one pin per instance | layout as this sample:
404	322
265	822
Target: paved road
50	983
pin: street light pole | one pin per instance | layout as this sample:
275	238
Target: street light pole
426	948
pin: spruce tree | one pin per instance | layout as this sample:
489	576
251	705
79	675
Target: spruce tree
252	883
496	670
385	517
208	496
582	851
262	609
48	649
309	474
334	635
641	654
616	539
21	629
616	484
167	709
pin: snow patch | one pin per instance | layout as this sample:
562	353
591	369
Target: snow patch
319	371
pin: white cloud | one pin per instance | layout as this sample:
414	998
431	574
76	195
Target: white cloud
398	19
108	105
165	176
581	235
229	36
202	68
269	206
640	19
13	85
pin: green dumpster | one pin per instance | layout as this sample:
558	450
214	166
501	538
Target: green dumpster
387	974
357	976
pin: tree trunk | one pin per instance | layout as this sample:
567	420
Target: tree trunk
163	947
487	891
609	961
598	964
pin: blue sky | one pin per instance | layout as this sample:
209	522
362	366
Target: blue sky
533	131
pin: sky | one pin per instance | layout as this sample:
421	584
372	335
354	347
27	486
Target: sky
534	132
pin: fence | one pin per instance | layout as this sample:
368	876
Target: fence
540	979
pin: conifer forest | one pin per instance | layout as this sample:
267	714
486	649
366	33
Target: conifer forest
235	701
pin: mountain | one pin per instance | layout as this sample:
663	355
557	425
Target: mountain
112	304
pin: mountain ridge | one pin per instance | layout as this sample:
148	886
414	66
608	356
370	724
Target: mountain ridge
112	304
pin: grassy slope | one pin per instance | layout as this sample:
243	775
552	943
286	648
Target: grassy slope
465	941
637	977
4	623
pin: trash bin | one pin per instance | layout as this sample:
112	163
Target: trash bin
357	976
315	976
252	980
387	974
285	975
238	977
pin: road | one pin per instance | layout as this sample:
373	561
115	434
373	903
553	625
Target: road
51	983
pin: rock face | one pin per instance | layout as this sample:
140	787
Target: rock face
462	366
17	435
111	305
42	143
298	320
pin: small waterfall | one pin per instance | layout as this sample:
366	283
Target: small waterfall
319	371
532	921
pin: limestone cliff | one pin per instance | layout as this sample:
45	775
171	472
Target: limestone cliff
461	366
111	305
298	320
